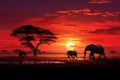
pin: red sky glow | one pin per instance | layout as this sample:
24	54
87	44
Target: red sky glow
79	21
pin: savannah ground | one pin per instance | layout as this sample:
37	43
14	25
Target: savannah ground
58	65
60	61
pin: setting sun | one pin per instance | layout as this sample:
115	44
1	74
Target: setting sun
70	46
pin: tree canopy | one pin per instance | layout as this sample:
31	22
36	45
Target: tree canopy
29	33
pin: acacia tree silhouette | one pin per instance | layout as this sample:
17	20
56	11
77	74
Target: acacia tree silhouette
27	34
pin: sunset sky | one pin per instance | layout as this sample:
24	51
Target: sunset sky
81	22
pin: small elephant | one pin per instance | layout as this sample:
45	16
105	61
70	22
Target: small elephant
22	53
98	49
72	54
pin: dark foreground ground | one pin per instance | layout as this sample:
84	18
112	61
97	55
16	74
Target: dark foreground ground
84	69
59	68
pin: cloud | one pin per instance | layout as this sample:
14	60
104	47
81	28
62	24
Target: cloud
43	20
112	14
100	1
60	22
74	11
111	30
93	13
89	12
36	19
101	13
64	11
69	24
65	16
118	12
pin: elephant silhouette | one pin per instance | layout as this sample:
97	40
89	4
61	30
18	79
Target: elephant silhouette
98	49
72	54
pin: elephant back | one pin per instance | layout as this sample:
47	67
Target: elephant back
90	47
99	49
100	46
72	53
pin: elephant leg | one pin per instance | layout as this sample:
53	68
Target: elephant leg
93	56
100	56
73	56
104	57
68	56
76	56
90	56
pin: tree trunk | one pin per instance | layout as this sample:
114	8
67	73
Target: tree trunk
34	51
37	46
